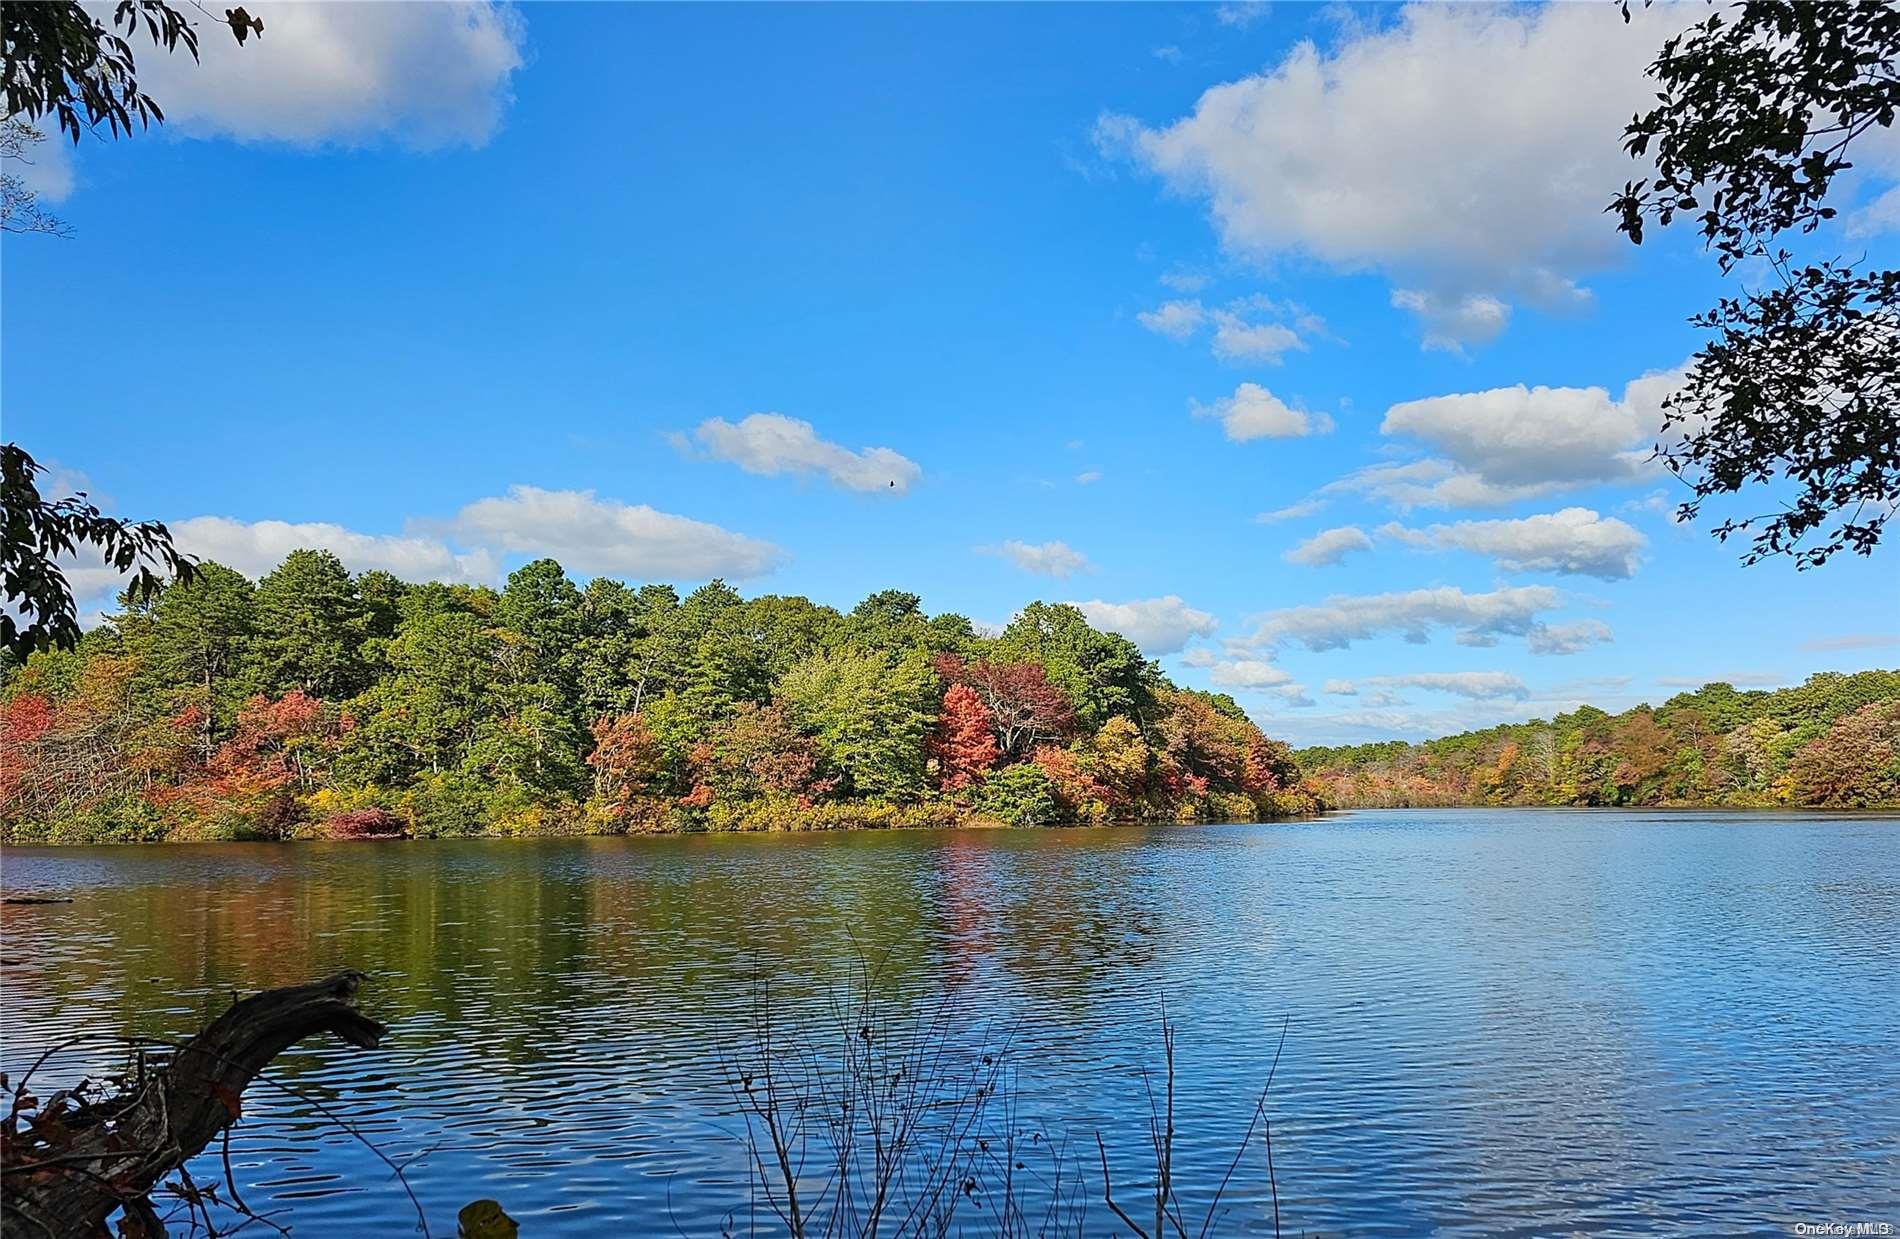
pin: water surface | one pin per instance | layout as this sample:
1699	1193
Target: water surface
1501	1022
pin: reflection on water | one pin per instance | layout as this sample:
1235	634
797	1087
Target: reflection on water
1503	1022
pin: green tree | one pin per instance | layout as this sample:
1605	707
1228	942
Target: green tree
311	624
40	612
197	644
871	715
1104	674
544	609
1021	795
1759	105
428	713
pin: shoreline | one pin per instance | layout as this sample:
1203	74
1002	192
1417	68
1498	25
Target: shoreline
972	823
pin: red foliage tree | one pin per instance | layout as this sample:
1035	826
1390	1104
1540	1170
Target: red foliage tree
626	760
1856	764
964	744
24	722
369	823
759	750
1075	786
1025	708
280	748
1269	766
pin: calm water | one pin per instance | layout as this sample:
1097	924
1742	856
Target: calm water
1502	1022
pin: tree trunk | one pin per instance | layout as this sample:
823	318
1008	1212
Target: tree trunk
77	1162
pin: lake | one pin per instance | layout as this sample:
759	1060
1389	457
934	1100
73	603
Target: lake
1498	1022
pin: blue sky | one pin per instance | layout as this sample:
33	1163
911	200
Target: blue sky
445	288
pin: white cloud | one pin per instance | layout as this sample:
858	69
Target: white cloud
1236	339
1177	320
1450	323
1530	436
256	547
1475	685
1853	641
1428	484
1253	412
1157	625
422	75
1743	679
1182	281
1056	559
1575	540
1241	13
587	535
44	167
1292	511
771	443
1088	477
1461	150
603	536
1479	619
1329	546
1567	638
1248	673
1508	444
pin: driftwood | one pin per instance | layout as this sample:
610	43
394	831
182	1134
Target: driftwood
78	1157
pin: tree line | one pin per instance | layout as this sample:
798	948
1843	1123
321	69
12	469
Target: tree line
1831	742
318	703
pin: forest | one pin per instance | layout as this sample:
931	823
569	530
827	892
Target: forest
1832	742
315	703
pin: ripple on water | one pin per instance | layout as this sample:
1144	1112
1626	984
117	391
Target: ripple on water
1501	1022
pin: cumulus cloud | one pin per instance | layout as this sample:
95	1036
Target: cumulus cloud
604	536
1239	335
1477	619
1088	477
423	76
1158	625
1329	546
1253	412
1449	323
1460	150
1575	541
1248	675
1508	444
1177	320
1567	638
1529	436
256	547
587	535
1056	559
771	443
1475	685
1236	339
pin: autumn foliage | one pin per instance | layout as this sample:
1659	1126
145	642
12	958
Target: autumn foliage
318	704
1830	742
964	744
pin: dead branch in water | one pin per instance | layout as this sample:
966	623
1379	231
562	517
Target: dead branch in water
66	1164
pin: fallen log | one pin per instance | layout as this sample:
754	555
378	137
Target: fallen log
67	1164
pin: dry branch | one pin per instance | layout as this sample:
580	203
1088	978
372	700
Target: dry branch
70	1162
